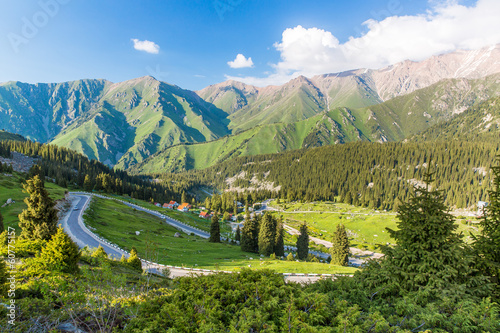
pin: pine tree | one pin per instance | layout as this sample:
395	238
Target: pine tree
487	244
340	247
279	243
429	256
247	234
39	219
267	235
303	243
61	253
237	236
215	229
184	197
133	260
87	183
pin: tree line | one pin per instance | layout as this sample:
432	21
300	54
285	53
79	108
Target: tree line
379	176
71	169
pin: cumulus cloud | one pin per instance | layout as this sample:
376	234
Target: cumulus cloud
146	46
446	27
240	62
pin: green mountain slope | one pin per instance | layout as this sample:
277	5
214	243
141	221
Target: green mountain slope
118	124
407	115
393	120
11	136
337	126
40	111
479	123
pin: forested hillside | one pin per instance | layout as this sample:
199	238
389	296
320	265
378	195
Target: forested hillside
362	173
73	170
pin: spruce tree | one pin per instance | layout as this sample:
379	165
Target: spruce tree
267	235
87	183
237	236
429	256
279	243
303	243
340	247
215	229
487	243
247	234
61	253
39	219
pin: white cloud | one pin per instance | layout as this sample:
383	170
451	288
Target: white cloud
240	62
446	27
146	46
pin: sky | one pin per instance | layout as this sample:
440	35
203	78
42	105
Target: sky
195	43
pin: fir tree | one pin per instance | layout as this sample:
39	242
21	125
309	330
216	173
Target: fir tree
279	243
87	183
267	235
215	229
133	260
247	234
237	235
39	219
487	243
340	247
303	243
429	256
61	253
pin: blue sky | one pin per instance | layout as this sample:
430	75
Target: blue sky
196	43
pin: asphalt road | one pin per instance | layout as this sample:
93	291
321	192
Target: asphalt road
73	225
172	222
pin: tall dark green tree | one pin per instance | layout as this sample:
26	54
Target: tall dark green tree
267	235
247	242
215	229
487	243
303	243
39	219
279	243
237	235
429	256
340	246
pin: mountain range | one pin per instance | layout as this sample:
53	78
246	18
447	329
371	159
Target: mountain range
150	126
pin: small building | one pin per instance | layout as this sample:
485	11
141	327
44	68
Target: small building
157	204
174	204
168	206
184	207
204	215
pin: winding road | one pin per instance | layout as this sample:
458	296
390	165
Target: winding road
72	222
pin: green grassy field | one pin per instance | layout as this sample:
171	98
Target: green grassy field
156	242
190	218
366	227
11	187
